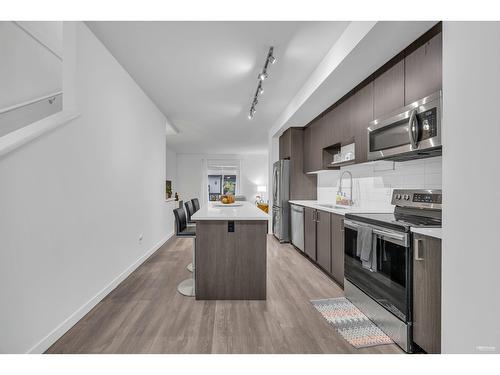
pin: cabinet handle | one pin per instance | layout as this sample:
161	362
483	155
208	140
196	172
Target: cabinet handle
416	248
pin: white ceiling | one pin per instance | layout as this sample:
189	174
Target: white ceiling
202	75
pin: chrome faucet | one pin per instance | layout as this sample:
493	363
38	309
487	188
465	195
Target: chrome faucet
340	186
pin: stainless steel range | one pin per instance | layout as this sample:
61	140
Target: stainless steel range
378	260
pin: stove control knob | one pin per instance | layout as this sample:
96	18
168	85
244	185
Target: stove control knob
398	196
406	197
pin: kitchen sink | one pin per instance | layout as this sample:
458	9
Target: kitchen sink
333	206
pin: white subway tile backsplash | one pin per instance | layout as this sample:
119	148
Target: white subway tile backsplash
373	182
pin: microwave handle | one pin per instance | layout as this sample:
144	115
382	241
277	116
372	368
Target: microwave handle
413	129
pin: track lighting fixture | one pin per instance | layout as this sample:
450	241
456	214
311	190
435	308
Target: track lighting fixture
270	59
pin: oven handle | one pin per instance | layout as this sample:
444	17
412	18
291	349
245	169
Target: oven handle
399	237
395	236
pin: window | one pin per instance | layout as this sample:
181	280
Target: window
230	184
214	187
223	178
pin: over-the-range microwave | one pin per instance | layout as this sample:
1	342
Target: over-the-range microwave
411	132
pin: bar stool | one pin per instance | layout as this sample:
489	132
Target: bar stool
196	204
189	211
196	207
182	229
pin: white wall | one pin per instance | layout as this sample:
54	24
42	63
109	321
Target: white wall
253	172
49	33
373	182
471	180
28	70
75	201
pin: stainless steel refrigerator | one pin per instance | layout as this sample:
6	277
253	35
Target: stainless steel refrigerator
281	195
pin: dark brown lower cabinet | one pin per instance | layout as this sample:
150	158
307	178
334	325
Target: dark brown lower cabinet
231	265
427	293
310	232
323	240
337	235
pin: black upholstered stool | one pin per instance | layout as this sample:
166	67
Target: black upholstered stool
182	229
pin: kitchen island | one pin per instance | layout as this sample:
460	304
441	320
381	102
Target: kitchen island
230	252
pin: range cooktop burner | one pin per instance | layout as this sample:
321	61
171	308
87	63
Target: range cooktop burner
401	222
417	221
413	208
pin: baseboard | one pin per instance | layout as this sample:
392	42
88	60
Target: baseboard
62	328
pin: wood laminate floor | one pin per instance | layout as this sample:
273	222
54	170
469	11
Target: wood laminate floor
145	314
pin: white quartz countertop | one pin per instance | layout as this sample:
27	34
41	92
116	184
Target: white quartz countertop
336	209
431	232
247	211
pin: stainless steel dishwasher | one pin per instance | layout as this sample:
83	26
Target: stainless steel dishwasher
297	226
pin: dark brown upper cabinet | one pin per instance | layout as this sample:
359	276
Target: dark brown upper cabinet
328	125
423	70
291	143
361	113
389	90
414	73
285	145
307	149
343	128
318	129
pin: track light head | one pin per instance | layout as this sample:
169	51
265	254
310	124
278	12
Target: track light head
272	59
262	76
251	113
261	90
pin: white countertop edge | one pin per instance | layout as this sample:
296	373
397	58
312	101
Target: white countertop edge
236	218
430	232
246	211
338	211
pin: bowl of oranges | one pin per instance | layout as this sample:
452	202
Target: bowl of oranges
227	199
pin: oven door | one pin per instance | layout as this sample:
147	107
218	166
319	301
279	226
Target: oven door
388	281
414	130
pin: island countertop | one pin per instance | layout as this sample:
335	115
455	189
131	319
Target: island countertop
247	211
